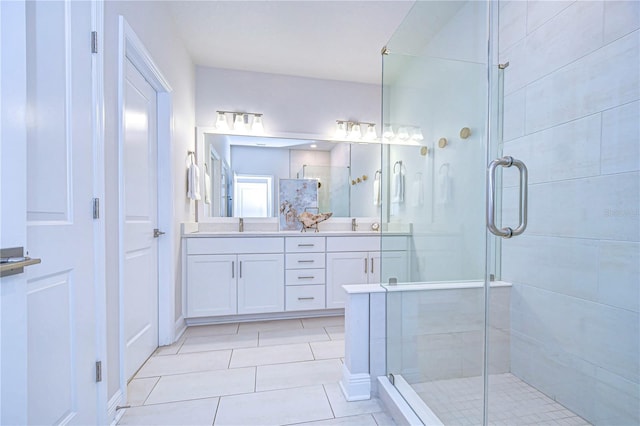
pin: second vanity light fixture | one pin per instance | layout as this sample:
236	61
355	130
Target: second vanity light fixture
404	134
240	122
353	130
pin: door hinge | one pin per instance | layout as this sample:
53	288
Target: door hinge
98	371
96	208
94	42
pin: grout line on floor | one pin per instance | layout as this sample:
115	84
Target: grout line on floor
150	392
311	349
255	379
215	415
329	401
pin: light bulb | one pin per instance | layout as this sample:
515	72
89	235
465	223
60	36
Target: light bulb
257	127
403	134
355	132
417	134
221	122
238	122
341	130
387	132
371	133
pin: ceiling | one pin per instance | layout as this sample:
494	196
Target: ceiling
335	40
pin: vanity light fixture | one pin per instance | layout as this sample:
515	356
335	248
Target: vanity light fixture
405	134
240	122
257	127
221	122
352	130
371	134
355	132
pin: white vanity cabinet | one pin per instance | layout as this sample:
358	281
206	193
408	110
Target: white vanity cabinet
211	288
228	276
350	260
357	260
305	273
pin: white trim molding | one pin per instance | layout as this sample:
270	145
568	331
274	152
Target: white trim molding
132	48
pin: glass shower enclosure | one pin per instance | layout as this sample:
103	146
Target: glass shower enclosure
538	328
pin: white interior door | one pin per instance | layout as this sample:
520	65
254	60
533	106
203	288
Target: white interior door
53	303
140	212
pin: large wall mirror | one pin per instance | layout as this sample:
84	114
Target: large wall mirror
240	175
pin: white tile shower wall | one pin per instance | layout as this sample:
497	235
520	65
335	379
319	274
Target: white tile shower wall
571	113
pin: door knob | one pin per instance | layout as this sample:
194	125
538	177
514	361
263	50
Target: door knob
157	233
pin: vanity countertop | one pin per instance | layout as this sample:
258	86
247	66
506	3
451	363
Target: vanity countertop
208	234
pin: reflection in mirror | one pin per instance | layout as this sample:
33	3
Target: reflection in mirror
242	174
333	187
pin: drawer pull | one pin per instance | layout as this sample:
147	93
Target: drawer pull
306	298
306	261
306	278
306	245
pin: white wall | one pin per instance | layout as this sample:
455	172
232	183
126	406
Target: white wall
154	26
571	114
289	104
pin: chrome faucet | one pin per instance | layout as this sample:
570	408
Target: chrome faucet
240	225
354	225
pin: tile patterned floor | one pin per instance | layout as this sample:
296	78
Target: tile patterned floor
511	402
260	373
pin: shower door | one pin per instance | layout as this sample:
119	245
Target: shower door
435	80
537	328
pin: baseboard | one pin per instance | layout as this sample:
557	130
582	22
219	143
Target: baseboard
264	317
179	329
112	410
355	387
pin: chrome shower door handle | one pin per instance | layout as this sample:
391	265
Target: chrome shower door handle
506	232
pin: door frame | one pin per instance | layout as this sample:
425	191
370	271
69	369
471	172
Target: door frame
132	48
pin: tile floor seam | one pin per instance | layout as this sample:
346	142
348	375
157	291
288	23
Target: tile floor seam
313	354
328	400
149	394
215	415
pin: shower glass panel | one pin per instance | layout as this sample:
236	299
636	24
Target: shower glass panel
435	78
542	328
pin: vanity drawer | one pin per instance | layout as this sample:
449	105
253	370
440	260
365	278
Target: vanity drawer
304	244
304	297
305	276
353	243
305	260
234	245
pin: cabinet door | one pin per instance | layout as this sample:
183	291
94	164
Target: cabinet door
344	268
393	264
260	283
211	285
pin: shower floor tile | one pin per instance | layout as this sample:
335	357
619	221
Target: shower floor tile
511	402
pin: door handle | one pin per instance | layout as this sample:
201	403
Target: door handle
233	269
365	265
491	197
157	233
372	265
